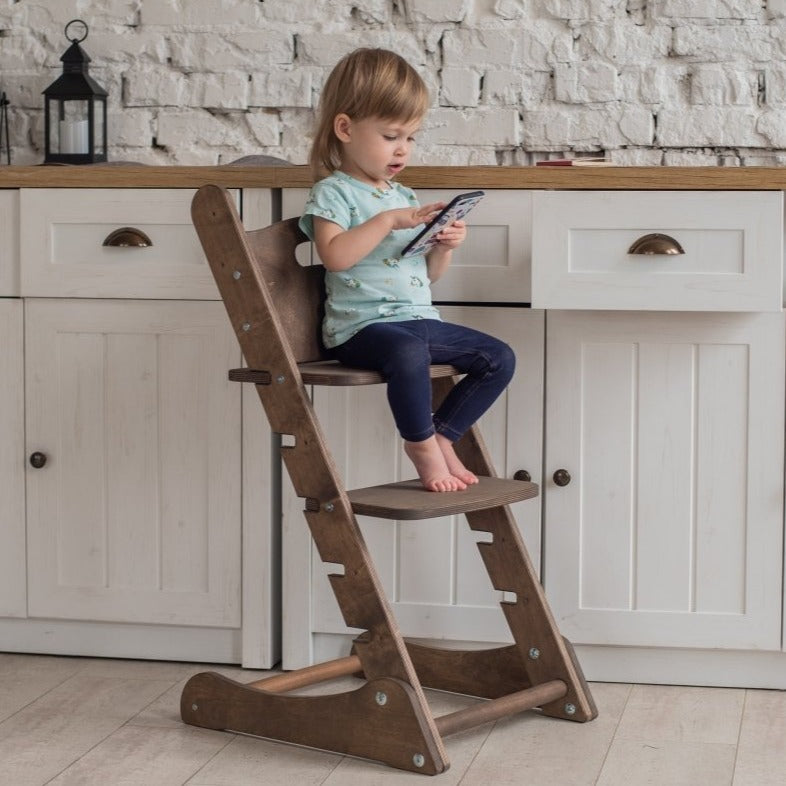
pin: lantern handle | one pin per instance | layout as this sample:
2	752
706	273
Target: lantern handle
76	40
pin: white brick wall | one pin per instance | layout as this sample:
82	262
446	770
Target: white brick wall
675	82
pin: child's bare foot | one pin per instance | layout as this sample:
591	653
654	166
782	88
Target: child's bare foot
454	465
431	466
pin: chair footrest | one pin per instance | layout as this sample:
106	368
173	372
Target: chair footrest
408	500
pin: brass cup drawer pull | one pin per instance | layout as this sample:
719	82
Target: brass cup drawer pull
656	243
127	237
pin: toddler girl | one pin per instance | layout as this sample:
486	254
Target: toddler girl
378	311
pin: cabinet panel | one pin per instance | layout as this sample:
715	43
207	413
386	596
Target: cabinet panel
732	244
13	600
431	570
9	245
135	516
261	568
63	252
672	429
493	264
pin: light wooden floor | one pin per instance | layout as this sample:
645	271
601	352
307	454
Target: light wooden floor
92	722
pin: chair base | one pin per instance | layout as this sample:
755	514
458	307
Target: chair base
380	721
384	719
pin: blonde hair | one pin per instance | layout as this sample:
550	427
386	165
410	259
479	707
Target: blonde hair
365	83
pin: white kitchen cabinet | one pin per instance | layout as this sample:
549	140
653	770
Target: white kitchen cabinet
135	515
431	570
662	556
13	601
157	468
671	427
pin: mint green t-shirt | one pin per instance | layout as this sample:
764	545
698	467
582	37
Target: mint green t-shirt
381	287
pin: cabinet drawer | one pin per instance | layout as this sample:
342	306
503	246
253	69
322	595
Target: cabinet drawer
63	252
9	243
732	243
492	265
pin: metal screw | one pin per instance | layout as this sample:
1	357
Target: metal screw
534	653
570	709
280	379
418	759
381	698
328	506
246	326
195	707
236	274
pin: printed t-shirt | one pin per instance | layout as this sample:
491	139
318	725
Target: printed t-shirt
381	287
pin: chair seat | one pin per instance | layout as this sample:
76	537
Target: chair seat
408	500
331	372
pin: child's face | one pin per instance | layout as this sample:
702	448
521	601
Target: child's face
374	150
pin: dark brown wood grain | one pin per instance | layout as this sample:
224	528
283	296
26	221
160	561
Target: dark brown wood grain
376	721
511	570
487	674
329	372
275	306
241	272
408	500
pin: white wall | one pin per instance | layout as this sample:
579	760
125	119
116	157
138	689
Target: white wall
207	81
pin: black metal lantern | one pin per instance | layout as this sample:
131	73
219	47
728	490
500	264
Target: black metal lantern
75	108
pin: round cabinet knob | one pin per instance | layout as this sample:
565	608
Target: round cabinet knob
522	474
561	477
37	459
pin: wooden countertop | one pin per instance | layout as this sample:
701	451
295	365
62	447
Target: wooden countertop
490	177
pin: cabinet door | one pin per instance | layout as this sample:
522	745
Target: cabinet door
431	570
12	479
671	427
135	517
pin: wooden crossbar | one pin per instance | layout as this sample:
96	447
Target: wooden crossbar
500	708
310	675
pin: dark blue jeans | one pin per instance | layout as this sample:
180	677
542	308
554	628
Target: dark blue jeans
402	353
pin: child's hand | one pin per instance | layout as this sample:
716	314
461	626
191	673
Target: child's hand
453	236
409	217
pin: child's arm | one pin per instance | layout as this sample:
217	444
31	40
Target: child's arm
340	249
438	259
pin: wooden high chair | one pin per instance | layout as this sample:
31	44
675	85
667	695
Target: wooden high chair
275	307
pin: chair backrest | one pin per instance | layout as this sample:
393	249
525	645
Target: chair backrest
296	292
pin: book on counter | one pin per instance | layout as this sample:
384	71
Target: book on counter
588	161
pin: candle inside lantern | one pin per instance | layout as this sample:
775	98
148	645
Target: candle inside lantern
73	136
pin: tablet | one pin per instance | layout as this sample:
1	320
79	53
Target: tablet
455	210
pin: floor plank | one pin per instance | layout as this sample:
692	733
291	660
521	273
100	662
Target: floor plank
95	722
48	735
